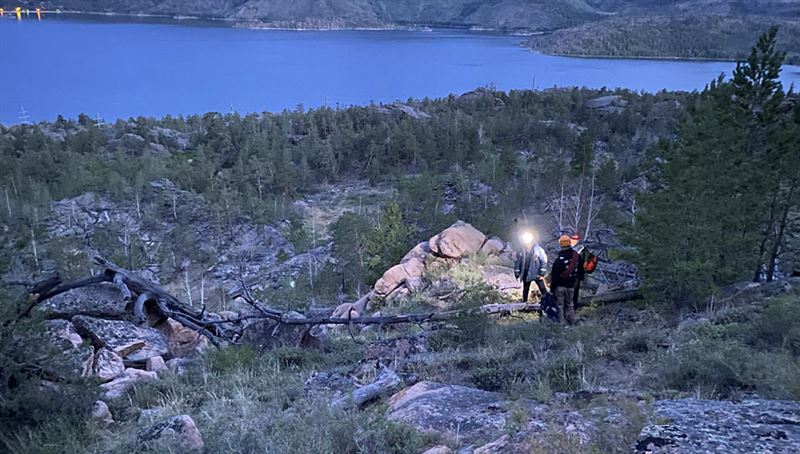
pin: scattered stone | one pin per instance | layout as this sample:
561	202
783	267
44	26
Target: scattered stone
131	342
178	431
120	385
708	426
156	364
493	246
457	241
441	449
101	413
503	280
108	365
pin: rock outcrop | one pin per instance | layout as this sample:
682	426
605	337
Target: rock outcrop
428	264
102	301
457	241
131	342
608	104
707	426
458	412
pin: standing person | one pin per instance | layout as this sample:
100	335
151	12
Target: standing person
563	278
531	265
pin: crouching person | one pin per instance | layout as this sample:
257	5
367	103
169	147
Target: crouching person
563	278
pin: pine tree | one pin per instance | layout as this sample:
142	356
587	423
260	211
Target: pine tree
387	242
703	228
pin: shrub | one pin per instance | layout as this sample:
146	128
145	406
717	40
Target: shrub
231	358
778	326
714	365
564	373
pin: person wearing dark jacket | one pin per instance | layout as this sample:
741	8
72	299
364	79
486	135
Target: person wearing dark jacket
563	278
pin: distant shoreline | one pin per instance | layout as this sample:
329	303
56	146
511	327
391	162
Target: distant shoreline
636	57
288	26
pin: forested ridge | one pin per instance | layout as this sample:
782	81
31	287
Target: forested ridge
696	36
679	29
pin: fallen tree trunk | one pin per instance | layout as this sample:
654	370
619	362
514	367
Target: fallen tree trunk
134	288
611	297
386	382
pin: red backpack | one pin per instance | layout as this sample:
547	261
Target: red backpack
589	261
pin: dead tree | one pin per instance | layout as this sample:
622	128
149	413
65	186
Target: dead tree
140	292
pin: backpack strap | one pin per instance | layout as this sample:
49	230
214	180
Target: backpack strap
572	265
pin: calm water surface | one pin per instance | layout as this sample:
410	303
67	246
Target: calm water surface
114	70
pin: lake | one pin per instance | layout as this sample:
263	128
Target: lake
116	69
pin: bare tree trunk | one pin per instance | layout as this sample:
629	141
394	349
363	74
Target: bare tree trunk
590	215
35	253
8	204
776	246
762	248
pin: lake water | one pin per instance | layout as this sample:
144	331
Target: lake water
114	69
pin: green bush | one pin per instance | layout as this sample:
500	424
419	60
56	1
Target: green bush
778	326
564	373
232	358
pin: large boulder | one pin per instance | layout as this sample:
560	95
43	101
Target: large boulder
103	301
179	432
471	415
709	426
131	342
394	277
458	240
493	246
420	251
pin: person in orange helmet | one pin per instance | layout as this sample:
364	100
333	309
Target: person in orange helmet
564	277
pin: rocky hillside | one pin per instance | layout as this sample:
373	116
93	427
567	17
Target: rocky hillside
628	378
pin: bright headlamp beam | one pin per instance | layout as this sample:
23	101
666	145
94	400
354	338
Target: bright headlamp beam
527	238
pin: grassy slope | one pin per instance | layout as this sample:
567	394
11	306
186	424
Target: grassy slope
245	401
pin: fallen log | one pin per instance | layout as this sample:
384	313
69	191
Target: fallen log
611	297
386	382
134	288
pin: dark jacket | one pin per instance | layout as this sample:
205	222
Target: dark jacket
566	268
